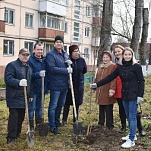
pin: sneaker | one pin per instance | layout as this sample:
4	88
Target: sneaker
55	131
128	144
127	137
64	123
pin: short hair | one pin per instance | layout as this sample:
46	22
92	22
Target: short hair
38	43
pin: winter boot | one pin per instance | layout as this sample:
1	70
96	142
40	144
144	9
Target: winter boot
38	121
31	122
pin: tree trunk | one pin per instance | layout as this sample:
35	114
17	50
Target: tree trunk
139	4
105	34
142	50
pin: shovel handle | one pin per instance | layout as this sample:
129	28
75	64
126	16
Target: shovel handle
42	96
72	92
26	105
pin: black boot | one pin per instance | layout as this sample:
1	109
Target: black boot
38	121
123	129
31	122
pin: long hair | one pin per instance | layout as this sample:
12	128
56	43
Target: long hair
133	56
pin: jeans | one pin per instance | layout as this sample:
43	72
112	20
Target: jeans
15	120
57	101
35	106
131	111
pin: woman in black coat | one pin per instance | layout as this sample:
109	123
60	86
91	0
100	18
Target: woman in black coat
132	78
79	69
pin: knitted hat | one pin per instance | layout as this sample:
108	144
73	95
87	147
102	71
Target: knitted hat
72	48
59	37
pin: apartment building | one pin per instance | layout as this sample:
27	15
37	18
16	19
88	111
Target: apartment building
23	22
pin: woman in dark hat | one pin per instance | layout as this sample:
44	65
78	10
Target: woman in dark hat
79	69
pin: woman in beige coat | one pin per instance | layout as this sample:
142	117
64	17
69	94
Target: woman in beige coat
105	94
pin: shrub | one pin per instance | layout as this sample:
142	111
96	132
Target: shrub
2	83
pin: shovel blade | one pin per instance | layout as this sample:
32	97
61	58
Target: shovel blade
43	129
30	138
77	127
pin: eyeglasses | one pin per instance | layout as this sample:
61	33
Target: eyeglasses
25	55
76	51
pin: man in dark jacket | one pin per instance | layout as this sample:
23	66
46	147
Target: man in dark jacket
17	75
37	63
58	85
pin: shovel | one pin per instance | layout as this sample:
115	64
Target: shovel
29	133
77	126
43	128
90	125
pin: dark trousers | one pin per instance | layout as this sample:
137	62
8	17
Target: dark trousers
139	124
66	112
16	118
121	112
106	110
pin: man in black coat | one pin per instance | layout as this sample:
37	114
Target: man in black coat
17	75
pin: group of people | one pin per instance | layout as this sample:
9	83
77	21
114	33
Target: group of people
28	71
123	81
119	79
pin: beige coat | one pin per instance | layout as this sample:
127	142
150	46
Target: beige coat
102	93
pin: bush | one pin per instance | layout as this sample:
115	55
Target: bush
2	83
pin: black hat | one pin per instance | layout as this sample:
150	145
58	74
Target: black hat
59	37
72	48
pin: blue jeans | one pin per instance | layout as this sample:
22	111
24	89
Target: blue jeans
57	101
131	111
35	106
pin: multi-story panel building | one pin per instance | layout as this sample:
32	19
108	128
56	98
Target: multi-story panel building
23	22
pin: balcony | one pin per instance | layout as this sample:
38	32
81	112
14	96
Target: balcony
46	33
53	7
96	41
2	26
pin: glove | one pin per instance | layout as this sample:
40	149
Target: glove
42	73
23	83
139	100
70	70
30	99
69	62
93	86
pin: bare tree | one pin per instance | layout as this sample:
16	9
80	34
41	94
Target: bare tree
142	50
105	34
139	5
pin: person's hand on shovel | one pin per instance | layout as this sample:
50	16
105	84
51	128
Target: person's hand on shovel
23	83
93	86
42	73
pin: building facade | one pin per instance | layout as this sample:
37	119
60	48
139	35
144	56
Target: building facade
24	22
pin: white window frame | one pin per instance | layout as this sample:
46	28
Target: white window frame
29	45
30	22
87	32
9	46
66	27
77	9
76	32
86	52
88	11
8	19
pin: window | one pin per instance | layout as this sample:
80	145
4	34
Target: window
76	34
52	22
29	20
88	11
86	52
29	46
77	9
87	32
9	16
48	47
8	48
65	48
66	27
